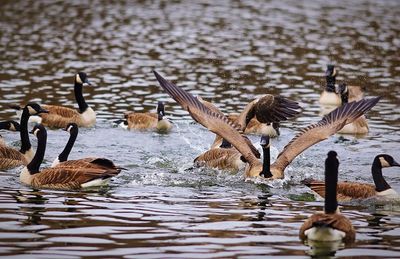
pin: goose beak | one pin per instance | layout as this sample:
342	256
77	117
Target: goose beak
86	82
31	132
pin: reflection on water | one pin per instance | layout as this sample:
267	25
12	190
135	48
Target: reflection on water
227	52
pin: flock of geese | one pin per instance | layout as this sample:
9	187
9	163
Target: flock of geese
231	149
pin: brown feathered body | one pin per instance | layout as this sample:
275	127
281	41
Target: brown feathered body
11	158
60	117
335	221
359	126
146	121
220	158
346	191
66	178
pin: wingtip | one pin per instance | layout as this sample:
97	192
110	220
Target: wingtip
158	76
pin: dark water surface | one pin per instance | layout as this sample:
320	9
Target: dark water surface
227	52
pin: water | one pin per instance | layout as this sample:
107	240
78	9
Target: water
227	52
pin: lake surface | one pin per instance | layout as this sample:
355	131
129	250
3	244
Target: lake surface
228	52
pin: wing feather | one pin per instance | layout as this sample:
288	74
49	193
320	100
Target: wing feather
214	122
10	158
314	133
68	178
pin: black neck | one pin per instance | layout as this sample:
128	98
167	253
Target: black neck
331	179
79	97
67	150
330	83
380	182
160	116
25	143
345	97
266	172
34	165
4	125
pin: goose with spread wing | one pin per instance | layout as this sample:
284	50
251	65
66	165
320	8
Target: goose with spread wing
231	132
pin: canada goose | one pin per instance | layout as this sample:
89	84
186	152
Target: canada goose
59	116
88	162
329	225
309	136
10	157
330	95
66	178
143	121
360	125
9	125
347	191
268	108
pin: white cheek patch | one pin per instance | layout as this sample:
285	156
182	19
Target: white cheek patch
78	79
69	128
384	163
36	131
31	110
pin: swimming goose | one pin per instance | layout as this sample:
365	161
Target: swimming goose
330	95
65	178
59	116
88	162
348	191
330	225
309	136
360	125
143	121
10	157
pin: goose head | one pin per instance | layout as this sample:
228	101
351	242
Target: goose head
38	130
10	125
387	160
71	128
330	71
160	110
82	79
343	90
35	109
330	75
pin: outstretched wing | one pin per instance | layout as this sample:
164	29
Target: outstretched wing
329	125
213	121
